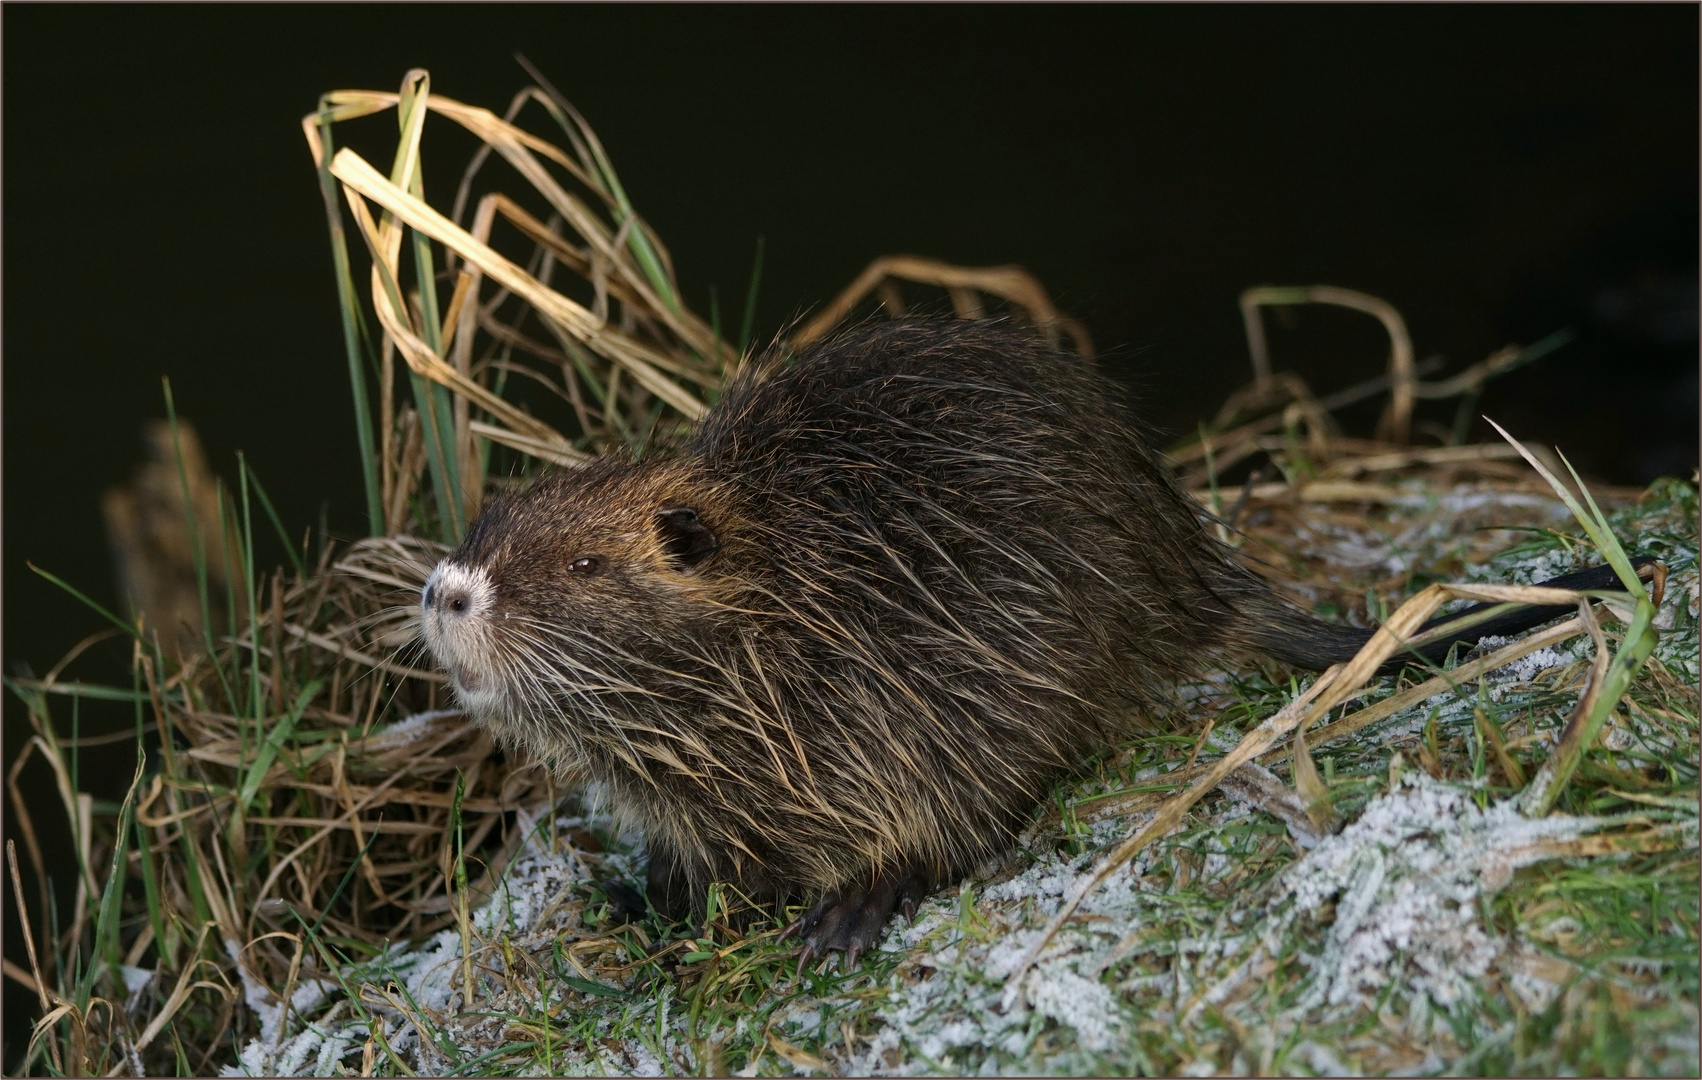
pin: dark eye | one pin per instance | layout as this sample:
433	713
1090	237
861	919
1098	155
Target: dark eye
588	565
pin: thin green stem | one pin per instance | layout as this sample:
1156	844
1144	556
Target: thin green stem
750	301
348	304
256	704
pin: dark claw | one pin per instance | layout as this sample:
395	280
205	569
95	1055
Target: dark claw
911	892
851	919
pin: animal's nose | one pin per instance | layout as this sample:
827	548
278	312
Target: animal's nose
446	597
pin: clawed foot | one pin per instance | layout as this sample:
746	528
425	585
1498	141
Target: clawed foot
852	918
625	902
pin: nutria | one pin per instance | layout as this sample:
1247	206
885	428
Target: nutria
841	643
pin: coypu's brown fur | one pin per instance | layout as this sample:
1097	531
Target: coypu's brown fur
843	642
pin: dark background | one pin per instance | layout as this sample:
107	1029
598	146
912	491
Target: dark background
1495	172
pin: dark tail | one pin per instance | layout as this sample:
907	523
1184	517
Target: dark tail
1296	638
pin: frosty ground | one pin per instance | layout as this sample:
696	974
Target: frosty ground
1439	930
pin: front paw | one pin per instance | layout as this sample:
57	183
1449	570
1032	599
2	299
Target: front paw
625	902
673	892
852	917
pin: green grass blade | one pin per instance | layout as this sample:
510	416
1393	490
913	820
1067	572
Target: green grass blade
456	824
145	856
1211	473
109	616
226	530
1544	791
432	422
151	895
275	739
444	458
750	302
1594	524
425	400
255	702
436	406
348	876
637	238
106	954
1602	533
1551	780
76	769
714	315
348	305
197	549
253	478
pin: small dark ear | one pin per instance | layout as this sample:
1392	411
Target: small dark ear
685	538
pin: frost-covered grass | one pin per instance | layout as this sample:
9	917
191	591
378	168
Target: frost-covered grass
1439	930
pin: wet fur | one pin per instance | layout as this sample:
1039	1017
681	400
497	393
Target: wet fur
931	568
